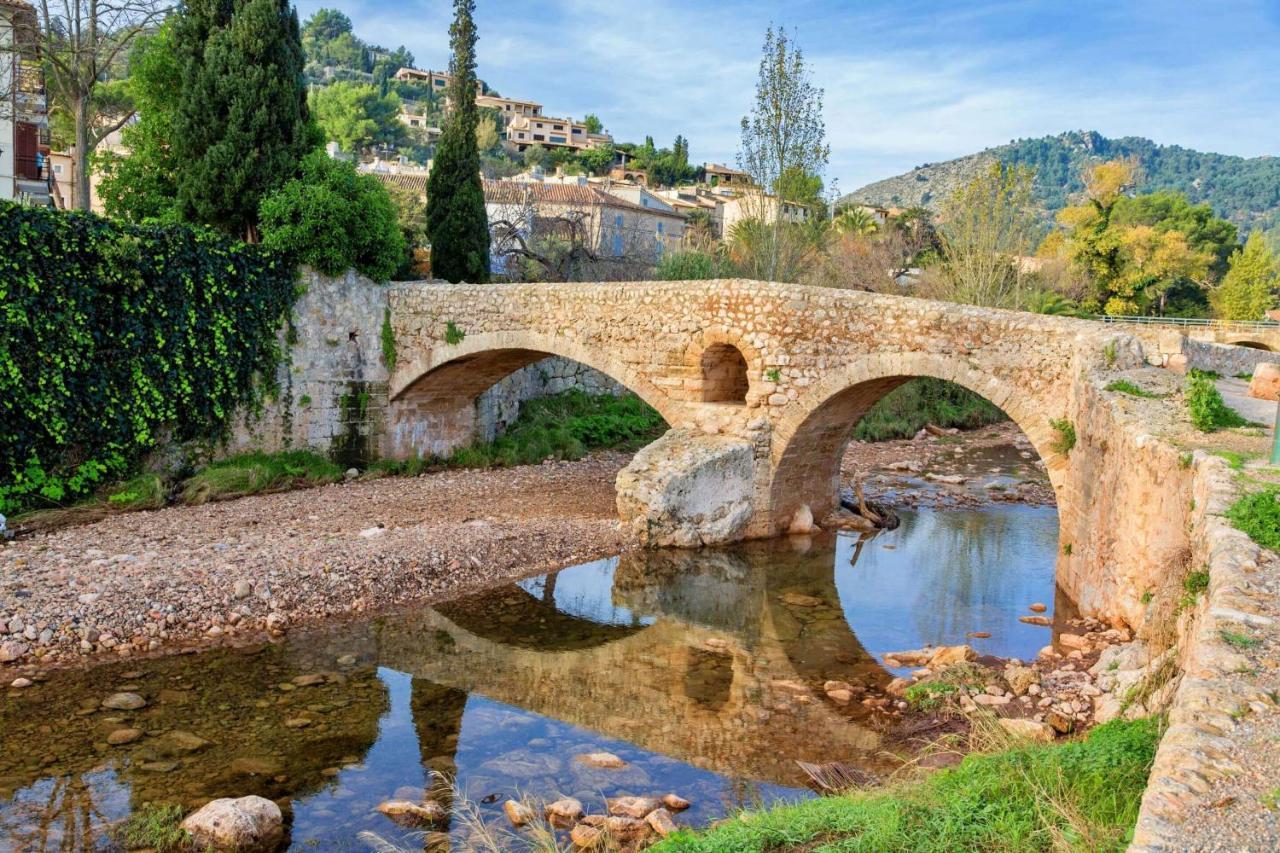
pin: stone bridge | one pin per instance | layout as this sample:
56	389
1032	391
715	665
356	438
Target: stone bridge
762	384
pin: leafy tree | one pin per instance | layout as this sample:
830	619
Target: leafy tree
1248	290
355	116
1141	253
388	62
325	25
141	187
592	123
784	138
457	223
536	156
240	124
486	134
333	218
81	42
988	225
596	161
855	220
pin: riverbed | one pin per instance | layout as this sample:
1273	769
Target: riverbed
703	673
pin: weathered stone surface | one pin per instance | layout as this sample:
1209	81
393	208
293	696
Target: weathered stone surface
564	811
688	489
408	813
1265	384
517	812
661	822
244	824
124	702
1029	729
636	807
601	759
675	802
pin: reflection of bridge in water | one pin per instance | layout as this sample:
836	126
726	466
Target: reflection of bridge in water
708	658
727	676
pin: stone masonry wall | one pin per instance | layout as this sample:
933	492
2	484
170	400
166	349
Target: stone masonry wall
333	385
497	408
1174	349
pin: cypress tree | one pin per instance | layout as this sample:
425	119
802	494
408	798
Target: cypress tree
241	125
457	224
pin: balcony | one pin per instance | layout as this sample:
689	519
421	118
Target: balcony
29	94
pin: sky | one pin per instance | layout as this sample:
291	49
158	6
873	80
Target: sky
905	82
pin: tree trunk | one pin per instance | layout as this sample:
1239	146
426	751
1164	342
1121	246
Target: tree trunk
80	158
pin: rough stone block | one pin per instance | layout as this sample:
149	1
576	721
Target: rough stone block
1265	384
688	489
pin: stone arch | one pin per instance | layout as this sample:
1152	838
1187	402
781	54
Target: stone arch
724	374
432	395
809	439
1251	344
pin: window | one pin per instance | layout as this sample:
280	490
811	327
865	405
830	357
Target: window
558	139
439	82
538	137
539	125
557	127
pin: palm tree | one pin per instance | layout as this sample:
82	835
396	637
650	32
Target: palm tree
855	220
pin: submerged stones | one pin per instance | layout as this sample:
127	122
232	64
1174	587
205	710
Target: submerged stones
407	813
124	702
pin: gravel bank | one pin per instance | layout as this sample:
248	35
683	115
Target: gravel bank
193	576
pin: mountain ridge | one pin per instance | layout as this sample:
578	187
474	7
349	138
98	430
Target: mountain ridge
1245	191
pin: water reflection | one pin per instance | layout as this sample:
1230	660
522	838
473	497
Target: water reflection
703	670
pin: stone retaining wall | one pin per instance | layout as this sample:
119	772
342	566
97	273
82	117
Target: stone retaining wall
1217	687
333	383
1176	350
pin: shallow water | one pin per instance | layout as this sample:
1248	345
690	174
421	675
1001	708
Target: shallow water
702	670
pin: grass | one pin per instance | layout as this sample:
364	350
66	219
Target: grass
1205	405
156	826
1193	586
1066	438
929	695
905	410
1258	515
145	491
1238	640
1124	386
1082	795
253	473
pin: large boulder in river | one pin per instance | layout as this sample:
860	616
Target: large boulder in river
688	489
1265	384
243	824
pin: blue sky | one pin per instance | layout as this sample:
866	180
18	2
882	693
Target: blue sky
906	82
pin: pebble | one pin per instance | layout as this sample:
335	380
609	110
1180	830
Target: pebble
124	702
20	683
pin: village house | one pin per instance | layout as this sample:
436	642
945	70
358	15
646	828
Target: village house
24	123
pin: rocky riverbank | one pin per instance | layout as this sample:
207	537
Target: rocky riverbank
186	577
149	582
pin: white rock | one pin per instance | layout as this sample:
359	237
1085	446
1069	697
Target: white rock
243	824
373	532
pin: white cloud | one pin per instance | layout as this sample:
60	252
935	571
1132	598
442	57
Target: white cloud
904	83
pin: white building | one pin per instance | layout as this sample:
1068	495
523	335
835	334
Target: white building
23	111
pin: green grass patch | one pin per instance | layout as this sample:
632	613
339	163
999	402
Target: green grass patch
1082	795
1238	640
1124	386
145	491
905	410
155	826
1066	438
1205	404
1235	461
253	473
1194	585
929	695
566	426
1258	515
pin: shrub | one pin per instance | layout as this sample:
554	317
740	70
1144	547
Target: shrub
1205	405
1066	438
691	265
157	826
334	219
1258	515
112	334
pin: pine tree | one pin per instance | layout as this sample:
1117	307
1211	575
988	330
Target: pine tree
1248	289
457	224
241	125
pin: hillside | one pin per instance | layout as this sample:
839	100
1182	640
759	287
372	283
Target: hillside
1245	191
